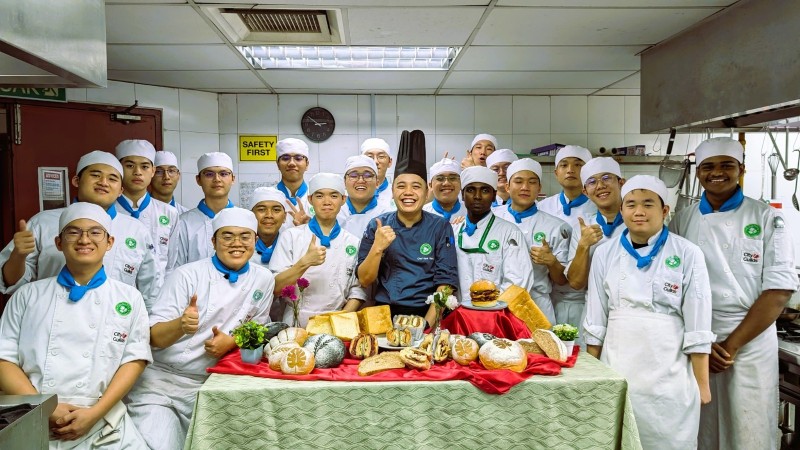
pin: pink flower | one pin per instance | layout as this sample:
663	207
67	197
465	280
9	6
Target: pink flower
289	292
302	283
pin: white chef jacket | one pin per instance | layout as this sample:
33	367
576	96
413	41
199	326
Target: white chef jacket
505	262
181	209
462	212
159	218
648	321
552	205
357	223
385	197
73	349
130	260
332	283
190	240
747	250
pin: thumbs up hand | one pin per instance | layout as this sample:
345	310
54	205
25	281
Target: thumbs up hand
315	255
543	255
384	236
24	241
190	320
219	344
590	234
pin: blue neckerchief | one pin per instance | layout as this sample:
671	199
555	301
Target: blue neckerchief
371	205
313	225
264	251
127	206
172	202
230	274
643	261
76	291
732	203
608	229
446	214
301	191
207	211
518	216
470	227
382	187
567	206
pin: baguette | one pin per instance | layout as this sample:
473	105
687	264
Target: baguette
379	363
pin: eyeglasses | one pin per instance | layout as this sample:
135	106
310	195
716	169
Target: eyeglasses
170	172
74	234
605	179
210	174
296	158
366	176
449	178
379	157
228	239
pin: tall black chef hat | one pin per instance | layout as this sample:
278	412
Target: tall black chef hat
411	155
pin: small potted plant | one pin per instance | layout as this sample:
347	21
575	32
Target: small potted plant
250	338
567	333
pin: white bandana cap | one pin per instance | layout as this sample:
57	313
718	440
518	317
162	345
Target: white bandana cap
446	165
501	156
292	146
136	147
84	210
719	146
215	159
165	158
478	174
99	157
235	217
647	182
524	164
600	165
573	151
375	143
360	161
484	137
326	181
267	194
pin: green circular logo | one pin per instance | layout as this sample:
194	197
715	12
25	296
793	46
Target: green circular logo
350	250
123	308
673	261
311	212
131	243
163	220
493	245
425	249
752	230
258	295
539	237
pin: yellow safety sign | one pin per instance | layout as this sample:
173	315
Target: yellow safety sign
257	148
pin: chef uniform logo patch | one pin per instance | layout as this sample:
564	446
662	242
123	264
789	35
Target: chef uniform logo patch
494	245
163	240
673	262
131	243
671	288
258	295
120	336
539	237
129	269
350	250
425	249
123	308
163	220
752	230
751	257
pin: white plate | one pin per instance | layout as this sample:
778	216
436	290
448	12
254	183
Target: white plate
383	343
500	305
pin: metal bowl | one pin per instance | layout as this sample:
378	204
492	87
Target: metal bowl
671	172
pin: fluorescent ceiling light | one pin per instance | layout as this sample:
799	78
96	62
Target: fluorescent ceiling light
352	58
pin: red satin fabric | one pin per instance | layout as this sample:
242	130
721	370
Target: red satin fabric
489	381
498	323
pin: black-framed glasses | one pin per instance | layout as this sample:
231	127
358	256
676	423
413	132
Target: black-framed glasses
379	156
366	176
170	172
210	174
449	178
228	239
296	158
73	234
605	179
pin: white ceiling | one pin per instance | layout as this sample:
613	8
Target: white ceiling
536	47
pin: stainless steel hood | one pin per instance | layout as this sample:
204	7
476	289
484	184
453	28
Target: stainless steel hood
45	43
738	69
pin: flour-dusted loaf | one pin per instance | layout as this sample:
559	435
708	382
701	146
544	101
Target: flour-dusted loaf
553	347
375	319
464	350
522	305
297	361
503	354
276	354
379	363
328	350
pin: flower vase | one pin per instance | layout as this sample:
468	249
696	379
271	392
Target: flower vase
570	345
296	316
252	355
437	321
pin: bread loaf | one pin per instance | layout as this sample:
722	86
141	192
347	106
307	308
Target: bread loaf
345	325
297	361
295	334
441	350
416	324
427	344
553	347
415	358
328	350
319	325
398	337
277	354
530	346
503	354
375	319
522	305
464	350
273	328
363	346
379	363
481	338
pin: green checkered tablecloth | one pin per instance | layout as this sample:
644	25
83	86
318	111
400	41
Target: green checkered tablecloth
586	407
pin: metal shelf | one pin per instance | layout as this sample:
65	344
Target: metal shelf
622	159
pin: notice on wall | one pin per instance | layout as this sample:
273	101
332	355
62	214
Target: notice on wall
250	182
53	188
257	148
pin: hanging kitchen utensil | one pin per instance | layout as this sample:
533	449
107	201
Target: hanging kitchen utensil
670	171
796	179
773	167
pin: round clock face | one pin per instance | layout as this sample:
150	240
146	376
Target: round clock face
317	124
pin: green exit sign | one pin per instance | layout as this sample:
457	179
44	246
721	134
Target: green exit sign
51	94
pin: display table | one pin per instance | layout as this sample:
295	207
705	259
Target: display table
585	407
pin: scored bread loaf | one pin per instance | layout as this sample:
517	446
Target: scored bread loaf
276	355
553	347
328	350
379	363
503	354
522	305
297	361
464	350
290	334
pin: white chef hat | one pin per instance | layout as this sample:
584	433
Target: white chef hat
647	182
84	210
215	159
600	165
446	165
235	217
719	146
136	147
573	151
484	137
360	161
501	156
292	146
524	164
324	180
165	158
375	143
99	157
267	194
478	174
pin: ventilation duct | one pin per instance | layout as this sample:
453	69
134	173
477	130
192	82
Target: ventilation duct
252	26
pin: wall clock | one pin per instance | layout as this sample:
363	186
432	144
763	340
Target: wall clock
317	124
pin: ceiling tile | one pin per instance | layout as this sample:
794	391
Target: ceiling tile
357	91
208	79
532	80
590	26
151	24
412	26
173	57
351	79
352	3
632	82
518	91
183	2
616	3
550	58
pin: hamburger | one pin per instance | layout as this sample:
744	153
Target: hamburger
483	293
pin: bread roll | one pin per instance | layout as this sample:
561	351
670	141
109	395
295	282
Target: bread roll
441	351
503	354
295	334
553	347
379	363
464	350
530	346
277	354
415	358
363	346
399	337
297	361
328	350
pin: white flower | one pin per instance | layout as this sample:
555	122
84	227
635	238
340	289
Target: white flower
429	300
452	302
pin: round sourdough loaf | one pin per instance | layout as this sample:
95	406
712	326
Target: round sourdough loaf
552	346
464	350
297	361
503	354
277	354
328	350
298	335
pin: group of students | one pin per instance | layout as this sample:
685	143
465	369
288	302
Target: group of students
122	317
